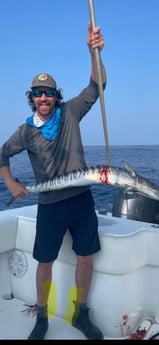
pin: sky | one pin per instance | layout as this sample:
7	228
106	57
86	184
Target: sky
38	36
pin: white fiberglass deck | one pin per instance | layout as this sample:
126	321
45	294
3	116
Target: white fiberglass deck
15	324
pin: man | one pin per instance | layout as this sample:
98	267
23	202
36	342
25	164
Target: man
52	139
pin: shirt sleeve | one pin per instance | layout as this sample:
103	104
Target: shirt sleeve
11	147
81	104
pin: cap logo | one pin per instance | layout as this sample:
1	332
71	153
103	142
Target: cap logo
43	77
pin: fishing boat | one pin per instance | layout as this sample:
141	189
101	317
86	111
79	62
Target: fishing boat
124	298
124	294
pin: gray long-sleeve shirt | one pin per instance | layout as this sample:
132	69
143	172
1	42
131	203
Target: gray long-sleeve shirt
56	157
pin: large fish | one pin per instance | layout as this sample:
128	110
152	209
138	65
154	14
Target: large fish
101	174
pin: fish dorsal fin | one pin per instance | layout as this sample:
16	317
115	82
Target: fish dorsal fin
129	169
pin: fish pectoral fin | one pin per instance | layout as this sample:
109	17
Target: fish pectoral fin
129	169
129	189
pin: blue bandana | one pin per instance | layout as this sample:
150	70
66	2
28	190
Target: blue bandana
48	129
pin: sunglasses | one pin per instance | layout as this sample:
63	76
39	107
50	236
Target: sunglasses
48	92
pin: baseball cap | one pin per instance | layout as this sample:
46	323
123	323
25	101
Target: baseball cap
43	79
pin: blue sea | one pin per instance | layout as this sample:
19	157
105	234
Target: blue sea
144	159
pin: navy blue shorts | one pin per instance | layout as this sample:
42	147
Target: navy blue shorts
76	214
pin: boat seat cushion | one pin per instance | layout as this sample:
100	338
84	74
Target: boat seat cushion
8	231
26	228
119	255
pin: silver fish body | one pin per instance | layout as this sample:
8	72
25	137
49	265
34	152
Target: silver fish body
101	174
74	178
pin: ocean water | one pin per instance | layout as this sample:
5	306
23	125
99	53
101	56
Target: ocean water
143	159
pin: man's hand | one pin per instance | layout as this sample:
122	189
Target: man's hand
17	189
94	38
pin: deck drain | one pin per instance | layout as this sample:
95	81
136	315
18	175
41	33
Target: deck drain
18	263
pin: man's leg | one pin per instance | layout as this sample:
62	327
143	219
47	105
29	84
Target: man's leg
43	283
83	277
80	318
